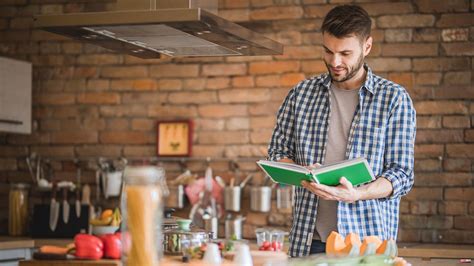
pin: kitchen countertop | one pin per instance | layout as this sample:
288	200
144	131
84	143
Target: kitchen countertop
10	242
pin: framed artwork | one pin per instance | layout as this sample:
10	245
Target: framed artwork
174	138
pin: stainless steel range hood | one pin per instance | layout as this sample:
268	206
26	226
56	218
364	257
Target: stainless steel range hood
148	28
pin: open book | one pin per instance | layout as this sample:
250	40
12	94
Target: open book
357	171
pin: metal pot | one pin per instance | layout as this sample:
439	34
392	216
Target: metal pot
233	227
284	197
175	198
261	199
232	198
173	238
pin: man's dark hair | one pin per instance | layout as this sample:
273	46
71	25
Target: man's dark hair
345	20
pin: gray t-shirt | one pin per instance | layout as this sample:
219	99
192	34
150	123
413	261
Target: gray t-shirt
343	105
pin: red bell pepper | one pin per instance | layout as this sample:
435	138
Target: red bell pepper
88	247
112	246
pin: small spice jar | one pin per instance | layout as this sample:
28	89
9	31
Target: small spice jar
18	209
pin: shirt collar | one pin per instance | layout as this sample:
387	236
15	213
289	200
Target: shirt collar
368	84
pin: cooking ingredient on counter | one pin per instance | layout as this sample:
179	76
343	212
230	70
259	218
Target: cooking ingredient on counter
108	217
18	209
270	239
351	246
88	247
370	260
50	249
112	246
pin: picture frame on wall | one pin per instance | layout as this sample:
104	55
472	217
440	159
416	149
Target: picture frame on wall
174	138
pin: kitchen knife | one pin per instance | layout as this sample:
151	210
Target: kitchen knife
78	202
53	210
65	206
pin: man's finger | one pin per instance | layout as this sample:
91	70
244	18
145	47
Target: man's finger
343	181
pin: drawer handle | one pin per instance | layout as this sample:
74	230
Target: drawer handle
9	121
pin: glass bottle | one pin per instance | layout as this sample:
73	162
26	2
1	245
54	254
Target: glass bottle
18	209
142	208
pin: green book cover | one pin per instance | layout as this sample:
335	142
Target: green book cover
357	171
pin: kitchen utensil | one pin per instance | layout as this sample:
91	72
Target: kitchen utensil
246	180
86	194
175	198
220	181
260	199
30	169
284	196
53	209
233	226
173	238
112	183
242	255
104	229
232	198
18	209
78	192
66	206
211	225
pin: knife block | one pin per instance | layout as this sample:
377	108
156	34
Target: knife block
39	225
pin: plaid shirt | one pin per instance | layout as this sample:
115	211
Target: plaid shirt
383	131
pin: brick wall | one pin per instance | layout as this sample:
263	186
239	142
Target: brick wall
89	102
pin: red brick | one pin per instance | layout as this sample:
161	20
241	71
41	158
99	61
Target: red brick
460	150
172	111
262	122
424	207
221	110
160	71
48	60
450	236
389	64
126	137
430	6
413	221
291	79
273	67
424	122
118	124
235	15
440	64
50	47
8	164
456	34
99	98
398	35
142	124
443	179
455	20
463	194
237	123
404	79
427	165
439	222
54	151
223	137
268	108
418	193
313	67
456	122
409	235
139	151
458	49
74	137
224	69
148	97
98	59
376	9
312	38
452	208
268	81
410	49
405	21
464	222
426	35
11	151
202	97
277	13
318	11
441	107
288	37
436	136
124	72
261	136
194	84
245	81
51	9
71	47
99	150
233	151
457	165
55	99
169	84
123	110
208	151
98	84
217	83
458	78
244	95
21	23
85	72
428	78
469	135
301	52
75	111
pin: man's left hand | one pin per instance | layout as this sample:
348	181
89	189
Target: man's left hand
343	192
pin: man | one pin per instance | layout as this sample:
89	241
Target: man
344	114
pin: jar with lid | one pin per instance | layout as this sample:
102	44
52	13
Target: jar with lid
142	209
18	209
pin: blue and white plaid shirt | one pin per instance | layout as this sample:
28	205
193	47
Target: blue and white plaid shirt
383	131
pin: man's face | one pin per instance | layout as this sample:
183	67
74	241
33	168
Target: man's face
344	57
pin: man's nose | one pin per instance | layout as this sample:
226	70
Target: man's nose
335	60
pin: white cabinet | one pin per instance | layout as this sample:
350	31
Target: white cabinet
15	96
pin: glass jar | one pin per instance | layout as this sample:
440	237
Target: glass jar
142	208
18	209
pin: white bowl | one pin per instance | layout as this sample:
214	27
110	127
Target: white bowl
103	229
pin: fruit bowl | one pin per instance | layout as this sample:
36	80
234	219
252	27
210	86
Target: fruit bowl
104	229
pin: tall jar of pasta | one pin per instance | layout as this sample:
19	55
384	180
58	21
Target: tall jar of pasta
142	208
18	209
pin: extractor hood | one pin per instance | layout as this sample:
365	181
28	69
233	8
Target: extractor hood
148	28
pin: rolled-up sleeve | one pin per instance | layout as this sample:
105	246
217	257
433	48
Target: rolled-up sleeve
282	144
400	143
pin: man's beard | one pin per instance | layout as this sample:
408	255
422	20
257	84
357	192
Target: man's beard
350	72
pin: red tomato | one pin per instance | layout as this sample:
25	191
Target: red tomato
266	244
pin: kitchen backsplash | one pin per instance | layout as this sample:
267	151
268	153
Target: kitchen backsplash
88	102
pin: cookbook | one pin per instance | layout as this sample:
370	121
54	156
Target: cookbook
357	171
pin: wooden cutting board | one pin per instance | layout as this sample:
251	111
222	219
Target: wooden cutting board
70	263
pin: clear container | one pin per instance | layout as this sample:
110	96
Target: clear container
270	239
142	208
18	209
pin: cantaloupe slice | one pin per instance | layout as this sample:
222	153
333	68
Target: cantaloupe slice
373	248
388	248
334	243
353	244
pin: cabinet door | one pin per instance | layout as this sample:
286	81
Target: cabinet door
15	96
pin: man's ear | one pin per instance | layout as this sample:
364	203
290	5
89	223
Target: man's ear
368	45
